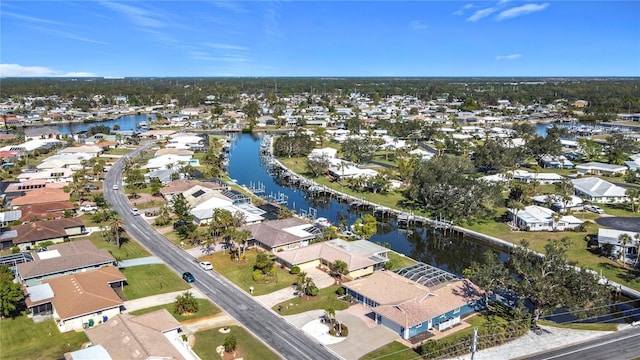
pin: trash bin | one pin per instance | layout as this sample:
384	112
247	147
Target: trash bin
90	322
105	318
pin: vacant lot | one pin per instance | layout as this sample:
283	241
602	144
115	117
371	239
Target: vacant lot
147	280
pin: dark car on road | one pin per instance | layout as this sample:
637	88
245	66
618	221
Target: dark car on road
188	277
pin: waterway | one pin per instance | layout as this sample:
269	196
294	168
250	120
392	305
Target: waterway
125	122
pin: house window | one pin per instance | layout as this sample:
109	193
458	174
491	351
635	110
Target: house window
456	311
443	316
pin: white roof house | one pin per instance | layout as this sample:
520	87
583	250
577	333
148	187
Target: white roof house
597	168
31	145
162	161
339	168
600	191
71	161
542	178
556	202
329	153
611	236
538	218
633	163
204	212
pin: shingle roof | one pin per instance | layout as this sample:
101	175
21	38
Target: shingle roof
140	337
44	230
272	233
85	292
349	252
408	303
73	255
39	196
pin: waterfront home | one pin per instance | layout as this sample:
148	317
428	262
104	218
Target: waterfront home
180	186
557	203
282	234
41	132
186	141
157	134
173	162
599	191
597	168
612	237
361	256
538	218
89	150
230	200
72	161
79	300
329	153
416	299
63	259
342	169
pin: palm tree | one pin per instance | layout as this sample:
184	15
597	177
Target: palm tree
633	194
330	314
637	238
516	206
185	303
340	268
116	226
624	240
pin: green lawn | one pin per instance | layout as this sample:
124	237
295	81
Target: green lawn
129	249
205	308
241	273
118	151
248	347
21	338
401	259
150	280
576	326
326	298
392	351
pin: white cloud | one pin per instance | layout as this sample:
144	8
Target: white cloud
509	57
17	70
521	10
481	14
30	18
417	25
229	5
461	11
226	46
137	15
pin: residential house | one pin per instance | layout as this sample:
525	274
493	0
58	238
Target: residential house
180	186
596	168
599	191
70	161
556	202
528	177
46	211
63	259
91	150
361	256
155	335
283	234
7	217
79	300
538	218
416	299
49	175
40	196
41	132
633	163
230	200
556	162
612	237
58	230
174	162
157	134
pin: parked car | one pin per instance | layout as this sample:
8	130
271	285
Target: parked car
594	208
205	265
135	211
87	208
91	187
188	277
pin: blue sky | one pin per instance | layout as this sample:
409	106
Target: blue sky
319	38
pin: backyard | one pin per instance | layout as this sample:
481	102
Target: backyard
21	338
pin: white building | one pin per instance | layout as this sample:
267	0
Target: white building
537	218
600	191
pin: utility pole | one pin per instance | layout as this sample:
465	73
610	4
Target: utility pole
475	342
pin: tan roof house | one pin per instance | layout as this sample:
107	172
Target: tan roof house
155	335
63	259
57	230
39	196
362	256
409	307
80	300
283	234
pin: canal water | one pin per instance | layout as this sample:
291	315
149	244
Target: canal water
126	122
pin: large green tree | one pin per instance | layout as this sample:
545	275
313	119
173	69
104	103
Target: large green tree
366	226
11	295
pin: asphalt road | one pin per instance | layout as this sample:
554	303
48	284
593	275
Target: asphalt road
621	345
281	336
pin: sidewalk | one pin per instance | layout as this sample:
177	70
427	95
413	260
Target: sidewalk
530	343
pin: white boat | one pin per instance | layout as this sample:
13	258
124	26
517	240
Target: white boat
322	222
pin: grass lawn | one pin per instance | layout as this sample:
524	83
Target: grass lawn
118	151
326	298
393	350
596	327
401	259
205	308
129	249
21	338
241	273
150	280
247	346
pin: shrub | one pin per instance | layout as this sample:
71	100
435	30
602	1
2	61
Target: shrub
312	290
295	270
340	291
15	250
345	331
257	275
